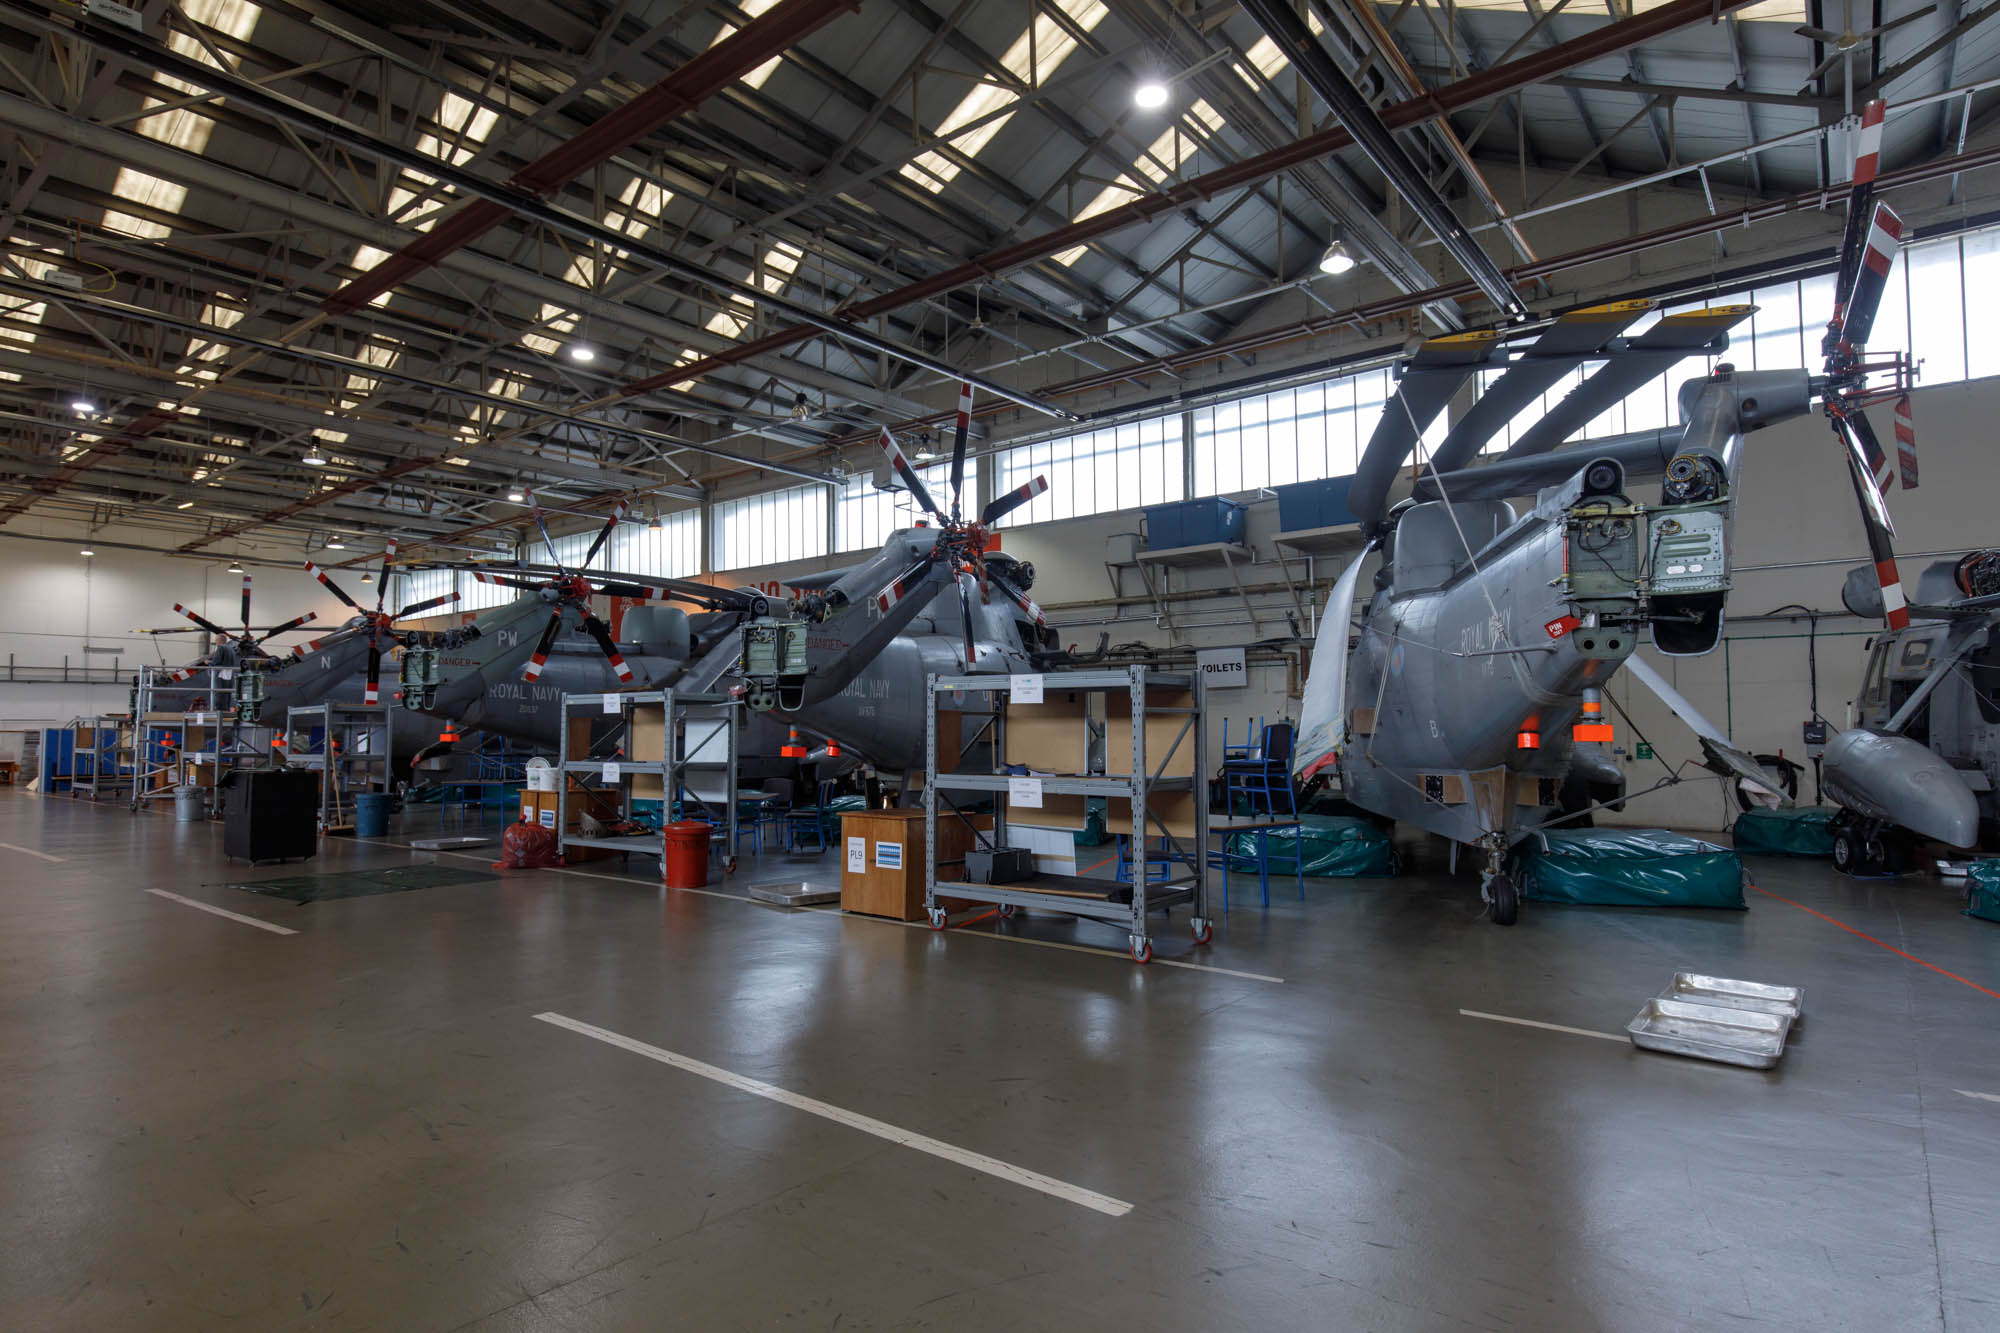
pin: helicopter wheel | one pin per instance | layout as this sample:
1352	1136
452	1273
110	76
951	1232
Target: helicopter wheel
1503	899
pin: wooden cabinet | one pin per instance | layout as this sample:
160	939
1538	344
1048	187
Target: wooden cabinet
890	853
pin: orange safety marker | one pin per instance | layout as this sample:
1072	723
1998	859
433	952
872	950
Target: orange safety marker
1528	740
792	749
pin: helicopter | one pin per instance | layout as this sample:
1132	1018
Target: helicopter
241	652
1471	702
1924	755
842	660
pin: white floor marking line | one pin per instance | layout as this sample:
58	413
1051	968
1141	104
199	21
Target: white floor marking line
222	911
1982	1096
873	920
923	1143
1552	1027
32	852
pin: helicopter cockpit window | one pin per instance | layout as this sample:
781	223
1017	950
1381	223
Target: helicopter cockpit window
1916	652
1874	681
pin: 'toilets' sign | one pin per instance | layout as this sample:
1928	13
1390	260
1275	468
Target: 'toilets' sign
1222	668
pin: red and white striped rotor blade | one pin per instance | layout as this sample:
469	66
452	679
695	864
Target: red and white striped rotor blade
1906	443
533	671
1004	505
331	586
1885	237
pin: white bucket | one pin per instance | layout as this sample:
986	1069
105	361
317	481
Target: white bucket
541	775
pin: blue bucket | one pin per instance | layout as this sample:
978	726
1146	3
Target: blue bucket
371	815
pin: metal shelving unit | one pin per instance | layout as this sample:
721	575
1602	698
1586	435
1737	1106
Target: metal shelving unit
108	766
203	705
355	753
691	729
1185	867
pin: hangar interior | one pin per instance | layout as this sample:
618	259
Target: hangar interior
903	397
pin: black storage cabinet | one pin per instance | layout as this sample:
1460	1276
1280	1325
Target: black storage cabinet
270	814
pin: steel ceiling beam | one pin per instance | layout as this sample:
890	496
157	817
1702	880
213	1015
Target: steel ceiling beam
763	38
1311	62
1494	82
246	93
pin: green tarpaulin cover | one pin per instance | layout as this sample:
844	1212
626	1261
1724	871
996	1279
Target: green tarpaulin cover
1335	846
1807	831
1629	868
1982	890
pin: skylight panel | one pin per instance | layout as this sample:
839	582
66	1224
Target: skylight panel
1163	158
755	78
1033	58
146	191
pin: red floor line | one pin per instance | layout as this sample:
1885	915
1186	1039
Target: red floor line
1101	864
1943	972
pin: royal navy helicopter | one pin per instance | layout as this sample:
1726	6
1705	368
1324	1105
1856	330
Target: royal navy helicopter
843	660
1921	756
240	652
1471	696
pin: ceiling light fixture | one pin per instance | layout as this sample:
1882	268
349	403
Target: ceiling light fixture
1150	95
313	457
335	544
367	577
236	566
1336	260
83	407
87	551
582	353
185	504
516	496
654	524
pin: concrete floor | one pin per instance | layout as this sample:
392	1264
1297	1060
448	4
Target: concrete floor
363	1126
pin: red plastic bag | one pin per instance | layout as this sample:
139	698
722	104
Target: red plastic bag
528	847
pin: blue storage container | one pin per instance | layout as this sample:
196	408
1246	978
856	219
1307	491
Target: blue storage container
1305	505
1194	523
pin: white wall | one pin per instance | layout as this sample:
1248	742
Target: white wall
57	601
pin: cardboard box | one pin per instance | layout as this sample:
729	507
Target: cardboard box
888	846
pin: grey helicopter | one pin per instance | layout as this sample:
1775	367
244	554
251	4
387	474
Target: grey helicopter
1920	756
842	660
1470	701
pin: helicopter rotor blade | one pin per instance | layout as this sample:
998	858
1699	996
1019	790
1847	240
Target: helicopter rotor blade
548	541
505	581
604	533
415	607
533	671
204	622
965	610
291	624
1022	600
1002	505
371	693
1859	437
596	629
905	583
959	443
1885	237
246	605
901	464
1906	444
333	587
382	588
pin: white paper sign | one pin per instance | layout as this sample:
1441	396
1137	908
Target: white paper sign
889	856
857	855
1024	689
1024	791
548	819
1222	668
612	703
611	772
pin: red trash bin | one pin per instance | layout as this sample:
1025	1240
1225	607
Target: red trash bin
686	862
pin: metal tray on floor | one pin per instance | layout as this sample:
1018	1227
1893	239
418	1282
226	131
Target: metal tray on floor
1710	1032
1700	988
794	893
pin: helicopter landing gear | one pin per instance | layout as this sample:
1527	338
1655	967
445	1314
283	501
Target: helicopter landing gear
1866	848
1498	888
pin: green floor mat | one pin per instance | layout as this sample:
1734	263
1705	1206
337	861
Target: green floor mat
361	883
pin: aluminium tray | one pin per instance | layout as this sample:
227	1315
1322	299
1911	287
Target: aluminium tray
794	893
1709	1032
1700	988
